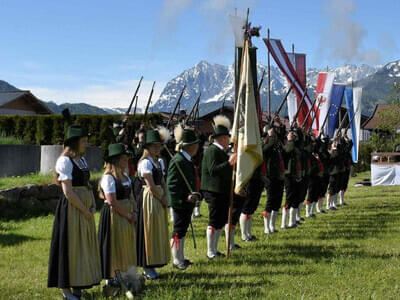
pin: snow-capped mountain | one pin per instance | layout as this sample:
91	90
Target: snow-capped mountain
216	83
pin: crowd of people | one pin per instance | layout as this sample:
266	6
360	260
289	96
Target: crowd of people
151	178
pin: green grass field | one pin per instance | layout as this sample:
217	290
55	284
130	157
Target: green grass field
352	253
34	178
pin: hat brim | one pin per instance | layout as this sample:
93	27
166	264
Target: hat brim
197	141
220	134
115	155
76	137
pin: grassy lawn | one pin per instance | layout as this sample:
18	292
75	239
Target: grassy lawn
34	178
352	253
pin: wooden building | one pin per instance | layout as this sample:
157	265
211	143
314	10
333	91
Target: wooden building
21	103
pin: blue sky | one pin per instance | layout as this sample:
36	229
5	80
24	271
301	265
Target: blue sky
95	51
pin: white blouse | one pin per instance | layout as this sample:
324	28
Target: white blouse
64	167
146	166
107	184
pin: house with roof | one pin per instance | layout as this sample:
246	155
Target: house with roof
21	103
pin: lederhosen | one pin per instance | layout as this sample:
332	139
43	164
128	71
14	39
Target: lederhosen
303	186
324	156
70	264
348	162
275	186
183	215
117	237
293	181
334	179
253	194
315	179
140	227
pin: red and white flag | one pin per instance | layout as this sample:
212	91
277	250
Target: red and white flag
323	94
284	63
299	62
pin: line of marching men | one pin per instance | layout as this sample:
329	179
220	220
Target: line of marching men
142	179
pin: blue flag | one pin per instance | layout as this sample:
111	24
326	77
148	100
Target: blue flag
353	102
336	103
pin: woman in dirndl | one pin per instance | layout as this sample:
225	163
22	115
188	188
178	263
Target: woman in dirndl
117	230
152	228
74	253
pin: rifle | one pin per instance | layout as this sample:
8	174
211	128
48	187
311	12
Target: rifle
283	101
176	106
261	81
323	124
298	109
315	114
134	97
341	123
193	109
308	113
134	111
351	121
148	102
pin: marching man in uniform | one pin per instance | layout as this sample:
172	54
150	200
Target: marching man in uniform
181	199
216	183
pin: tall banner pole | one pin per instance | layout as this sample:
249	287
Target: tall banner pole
269	78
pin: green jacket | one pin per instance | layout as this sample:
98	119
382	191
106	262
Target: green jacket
176	186
292	160
272	153
216	172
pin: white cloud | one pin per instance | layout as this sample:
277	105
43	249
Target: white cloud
116	94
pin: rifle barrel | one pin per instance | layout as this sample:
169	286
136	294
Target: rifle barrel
134	96
148	101
284	100
299	108
176	106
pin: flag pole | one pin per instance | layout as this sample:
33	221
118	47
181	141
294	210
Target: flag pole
228	240
269	77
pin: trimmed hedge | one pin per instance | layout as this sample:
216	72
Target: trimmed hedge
51	129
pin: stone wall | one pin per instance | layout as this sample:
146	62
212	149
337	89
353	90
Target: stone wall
18	160
33	200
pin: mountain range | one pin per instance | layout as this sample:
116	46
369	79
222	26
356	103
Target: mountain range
216	84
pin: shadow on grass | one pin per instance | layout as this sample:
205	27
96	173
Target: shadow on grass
12	239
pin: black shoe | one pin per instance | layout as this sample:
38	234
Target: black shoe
302	219
236	247
323	212
298	223
188	262
180	266
344	204
252	238
333	208
219	254
291	227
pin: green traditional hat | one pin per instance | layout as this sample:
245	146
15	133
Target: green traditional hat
222	126
75	131
189	137
152	137
221	130
116	150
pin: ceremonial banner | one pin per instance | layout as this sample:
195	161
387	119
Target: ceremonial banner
238	24
282	60
336	98
246	130
299	62
323	94
353	102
